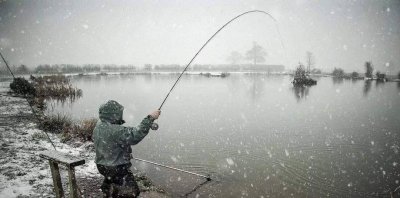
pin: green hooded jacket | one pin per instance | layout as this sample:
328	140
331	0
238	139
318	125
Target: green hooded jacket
113	141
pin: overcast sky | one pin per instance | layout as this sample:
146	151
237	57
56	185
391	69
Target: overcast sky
339	33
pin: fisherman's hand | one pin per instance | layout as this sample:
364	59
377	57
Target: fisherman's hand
155	114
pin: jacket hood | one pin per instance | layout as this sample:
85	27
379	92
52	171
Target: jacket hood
111	112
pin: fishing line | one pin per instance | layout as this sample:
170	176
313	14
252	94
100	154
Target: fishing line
33	111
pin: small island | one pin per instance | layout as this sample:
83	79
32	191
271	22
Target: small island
302	78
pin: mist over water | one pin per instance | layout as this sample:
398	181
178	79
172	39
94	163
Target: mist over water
257	135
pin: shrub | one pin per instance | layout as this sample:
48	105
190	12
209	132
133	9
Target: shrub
22	86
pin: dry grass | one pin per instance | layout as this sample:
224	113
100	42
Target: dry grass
55	79
56	88
83	130
69	129
57	91
56	123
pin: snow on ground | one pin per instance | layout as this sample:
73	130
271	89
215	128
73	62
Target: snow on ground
22	172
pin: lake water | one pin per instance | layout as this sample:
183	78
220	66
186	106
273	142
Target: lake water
256	135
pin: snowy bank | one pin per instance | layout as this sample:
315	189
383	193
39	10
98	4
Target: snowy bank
22	172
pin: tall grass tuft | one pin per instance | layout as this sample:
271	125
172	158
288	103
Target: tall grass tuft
82	130
69	129
55	123
87	127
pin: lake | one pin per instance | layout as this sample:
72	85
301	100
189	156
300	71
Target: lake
257	135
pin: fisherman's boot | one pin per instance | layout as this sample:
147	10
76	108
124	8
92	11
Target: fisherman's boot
123	192
106	189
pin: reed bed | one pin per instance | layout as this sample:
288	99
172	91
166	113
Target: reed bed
69	129
57	88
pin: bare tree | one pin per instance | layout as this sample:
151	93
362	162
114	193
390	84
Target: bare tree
256	54
310	61
234	58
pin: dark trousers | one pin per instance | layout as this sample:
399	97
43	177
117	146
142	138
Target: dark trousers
118	181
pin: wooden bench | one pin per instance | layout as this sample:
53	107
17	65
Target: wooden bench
70	162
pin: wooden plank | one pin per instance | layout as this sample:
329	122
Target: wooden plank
62	158
73	188
55	173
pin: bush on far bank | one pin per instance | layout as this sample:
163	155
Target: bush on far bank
22	86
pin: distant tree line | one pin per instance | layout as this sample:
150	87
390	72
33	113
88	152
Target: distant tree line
69	68
369	73
162	67
220	67
241	67
20	69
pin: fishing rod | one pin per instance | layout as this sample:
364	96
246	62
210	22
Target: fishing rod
155	126
172	168
33	111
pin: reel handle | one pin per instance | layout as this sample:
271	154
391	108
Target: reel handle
154	126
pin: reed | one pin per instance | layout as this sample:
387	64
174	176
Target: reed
56	87
82	130
55	123
69	129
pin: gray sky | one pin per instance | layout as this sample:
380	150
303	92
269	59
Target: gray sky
339	33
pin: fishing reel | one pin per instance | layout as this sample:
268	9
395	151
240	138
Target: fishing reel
154	126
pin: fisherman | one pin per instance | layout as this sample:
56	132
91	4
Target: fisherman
113	148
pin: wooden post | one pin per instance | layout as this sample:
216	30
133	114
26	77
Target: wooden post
55	173
73	188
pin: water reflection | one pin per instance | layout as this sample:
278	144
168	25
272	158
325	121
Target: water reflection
257	88
379	83
367	87
336	80
300	92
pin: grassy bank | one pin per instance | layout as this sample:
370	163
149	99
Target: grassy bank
58	87
69	129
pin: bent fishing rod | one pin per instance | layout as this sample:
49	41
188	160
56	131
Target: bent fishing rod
33	111
155	126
